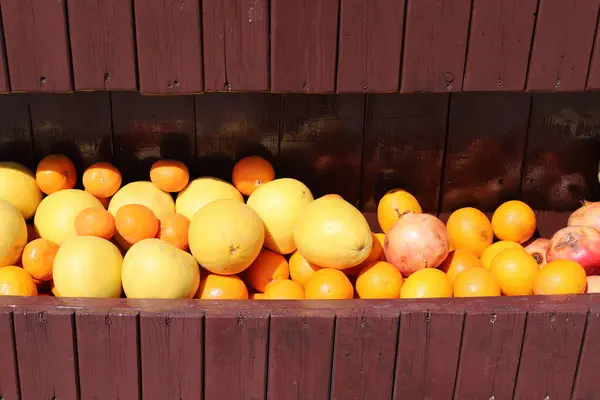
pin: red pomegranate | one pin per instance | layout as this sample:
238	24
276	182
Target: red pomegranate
577	243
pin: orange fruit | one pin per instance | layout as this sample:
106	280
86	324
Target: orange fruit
102	180
515	221
426	283
476	282
284	289
222	287
267	267
15	281
488	254
169	175
251	172
55	172
458	261
469	229
105	201
95	221
135	222
174	229
379	280
257	296
560	277
515	270
593	284
376	254
32	233
38	258
393	205
329	284
300	269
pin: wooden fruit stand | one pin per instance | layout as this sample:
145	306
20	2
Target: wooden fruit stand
461	102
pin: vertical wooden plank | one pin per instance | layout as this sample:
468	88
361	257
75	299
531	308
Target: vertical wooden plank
484	153
232	125
369	45
147	128
428	350
9	377
4	78
303	45
102	47
300	354
593	79
490	350
15	129
435	45
551	344
77	124
364	356
37	45
321	142
235	359
586	382
561	162
169	46
46	354
562	45
499	44
235	40
404	133
108	350
171	350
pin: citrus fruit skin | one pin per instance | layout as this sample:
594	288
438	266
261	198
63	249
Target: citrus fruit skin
488	254
88	266
515	270
174	229
202	191
144	193
222	287
476	282
169	175
284	289
13	234
102	180
266	268
329	284
18	187
458	261
560	277
514	221
426	283
393	205
54	173
135	222
15	281
469	229
379	280
300	269
38	259
250	173
95	222
593	284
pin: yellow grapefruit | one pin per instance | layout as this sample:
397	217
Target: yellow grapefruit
18	187
202	191
13	234
146	194
393	205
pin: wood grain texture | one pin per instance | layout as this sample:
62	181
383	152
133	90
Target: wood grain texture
4	78
9	376
169	46
107	344
370	42
485	148
171	349
499	44
490	350
435	45
593	79
550	353
321	143
236	39
427	357
561	161
364	355
562	45
15	129
303	45
586	381
300	354
235	358
404	133
102	44
47	358
230	126
37	45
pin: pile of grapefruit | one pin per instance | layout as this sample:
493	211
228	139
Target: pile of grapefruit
262	237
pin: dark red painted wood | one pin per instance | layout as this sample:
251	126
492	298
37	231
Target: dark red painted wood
499	44
9	378
235	357
37	45
370	41
4	79
107	344
46	354
561	162
306	337
428	350
236	38
490	350
484	152
303	45
169	46
403	147
15	129
102	44
171	348
593	79
550	353
364	356
586	382
548	222
562	45
321	142
435	44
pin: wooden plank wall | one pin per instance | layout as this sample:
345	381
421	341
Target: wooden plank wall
310	46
